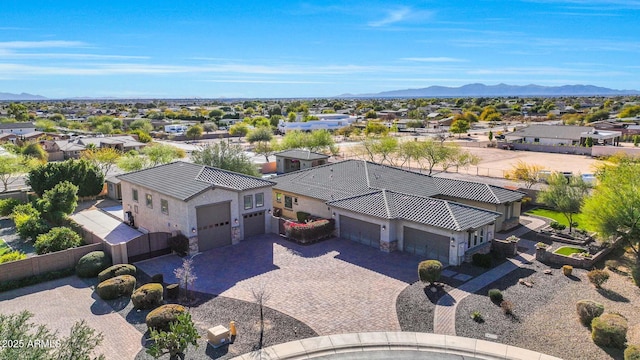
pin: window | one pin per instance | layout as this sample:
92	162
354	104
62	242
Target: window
135	195
149	201
469	240
259	199
481	236
164	206
248	202
278	197
475	238
288	202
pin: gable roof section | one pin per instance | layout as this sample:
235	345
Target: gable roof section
301	154
357	177
553	131
184	180
423	210
17	125
476	191
230	180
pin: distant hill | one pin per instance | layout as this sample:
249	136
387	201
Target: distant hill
18	97
502	90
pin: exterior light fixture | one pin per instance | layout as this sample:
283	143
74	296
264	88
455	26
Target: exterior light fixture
235	221
384	227
193	230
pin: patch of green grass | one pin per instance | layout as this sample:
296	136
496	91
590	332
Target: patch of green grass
568	250
557	216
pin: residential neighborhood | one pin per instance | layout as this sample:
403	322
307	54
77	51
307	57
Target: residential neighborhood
299	213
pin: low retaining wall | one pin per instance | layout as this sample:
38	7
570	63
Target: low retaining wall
557	149
42	264
612	150
16	194
546	255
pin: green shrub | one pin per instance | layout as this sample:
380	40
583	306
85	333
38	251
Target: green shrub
632	352
57	239
482	260
116	270
588	310
598	277
12	256
496	296
179	244
7	205
28	222
477	317
163	316
557	226
157	278
429	271
92	264
302	216
609	330
116	287
309	232
147	296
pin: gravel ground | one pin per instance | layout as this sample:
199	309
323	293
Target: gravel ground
10	236
415	306
208	311
544	316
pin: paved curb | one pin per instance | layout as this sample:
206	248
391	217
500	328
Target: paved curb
420	343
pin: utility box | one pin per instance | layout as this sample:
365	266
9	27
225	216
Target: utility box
218	336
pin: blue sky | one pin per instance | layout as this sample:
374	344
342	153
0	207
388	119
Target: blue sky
161	49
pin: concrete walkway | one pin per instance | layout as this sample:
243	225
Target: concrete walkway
444	321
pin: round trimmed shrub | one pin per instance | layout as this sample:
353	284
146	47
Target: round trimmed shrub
116	270
609	330
147	296
598	277
429	271
116	287
92	264
588	310
632	352
496	296
161	317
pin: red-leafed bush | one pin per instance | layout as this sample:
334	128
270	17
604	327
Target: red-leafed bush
309	232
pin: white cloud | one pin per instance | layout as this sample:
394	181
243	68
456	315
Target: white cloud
392	17
434	59
40	44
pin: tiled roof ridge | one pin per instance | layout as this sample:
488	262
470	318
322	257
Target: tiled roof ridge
453	217
492	193
366	174
390	214
157	166
232	173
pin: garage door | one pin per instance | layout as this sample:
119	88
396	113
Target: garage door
426	244
253	224
214	226
361	231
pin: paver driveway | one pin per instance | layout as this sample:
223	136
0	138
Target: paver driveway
58	304
335	286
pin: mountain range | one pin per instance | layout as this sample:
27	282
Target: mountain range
20	97
502	90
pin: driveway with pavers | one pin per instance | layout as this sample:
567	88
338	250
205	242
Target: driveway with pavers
59	304
335	286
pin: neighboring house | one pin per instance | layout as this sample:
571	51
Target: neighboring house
395	209
563	135
176	128
298	159
19	128
114	187
123	143
325	122
33	136
70	149
8	137
212	207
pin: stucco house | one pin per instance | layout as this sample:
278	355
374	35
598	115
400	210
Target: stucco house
212	207
563	135
298	159
18	128
395	209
